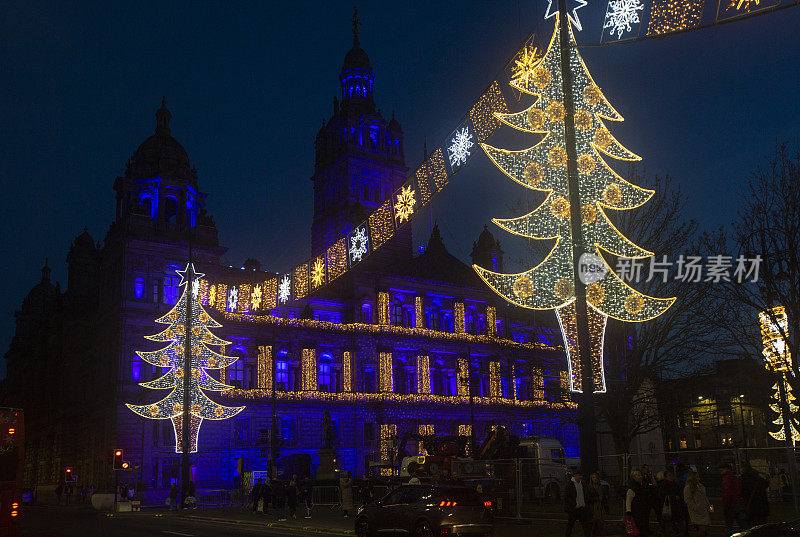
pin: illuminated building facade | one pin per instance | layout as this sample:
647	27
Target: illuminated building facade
396	345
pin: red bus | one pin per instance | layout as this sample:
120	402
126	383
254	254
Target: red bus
12	455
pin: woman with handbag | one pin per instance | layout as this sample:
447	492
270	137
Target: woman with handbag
638	503
697	502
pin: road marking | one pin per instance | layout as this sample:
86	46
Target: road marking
179	533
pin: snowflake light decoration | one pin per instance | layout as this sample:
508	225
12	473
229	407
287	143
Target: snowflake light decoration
284	289
460	147
524	63
358	244
233	299
552	10
405	204
621	14
318	272
255	297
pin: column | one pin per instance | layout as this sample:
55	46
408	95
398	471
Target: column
491	321
265	369
458	314
386	372
308	367
423	374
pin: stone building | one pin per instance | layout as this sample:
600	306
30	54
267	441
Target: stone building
397	344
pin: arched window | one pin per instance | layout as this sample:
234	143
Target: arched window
469	320
434	314
396	310
282	371
171	211
324	373
366	313
146	200
171	281
138	287
369	380
236	369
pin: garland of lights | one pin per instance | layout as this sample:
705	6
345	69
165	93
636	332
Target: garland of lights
542	167
778	359
172	358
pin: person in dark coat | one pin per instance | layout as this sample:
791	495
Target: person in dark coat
754	495
291	497
255	495
638	503
670	501
597	503
279	498
651	487
306	489
367	492
732	499
575	505
173	497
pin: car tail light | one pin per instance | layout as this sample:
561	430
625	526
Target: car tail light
445	530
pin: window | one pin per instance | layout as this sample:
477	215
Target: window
156	290
240	431
436	381
369	381
236	370
527	429
171	211
698	443
369	433
138	287
287	429
171	281
504	387
726	439
136	369
397	314
366	313
695	419
393	498
324	373
282	372
683	442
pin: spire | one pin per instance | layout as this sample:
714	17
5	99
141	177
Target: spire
46	271
162	118
356	22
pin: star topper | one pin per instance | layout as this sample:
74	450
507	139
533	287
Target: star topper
188	273
552	9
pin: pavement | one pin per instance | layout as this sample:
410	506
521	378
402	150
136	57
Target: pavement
83	521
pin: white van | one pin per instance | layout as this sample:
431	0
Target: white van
543	466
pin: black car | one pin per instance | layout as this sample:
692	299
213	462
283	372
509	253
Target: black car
425	511
775	529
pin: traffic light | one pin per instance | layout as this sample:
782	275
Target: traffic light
263	441
118	464
125	465
69	475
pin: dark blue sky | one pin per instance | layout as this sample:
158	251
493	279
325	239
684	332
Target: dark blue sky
248	84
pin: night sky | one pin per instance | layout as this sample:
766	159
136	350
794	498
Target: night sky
248	84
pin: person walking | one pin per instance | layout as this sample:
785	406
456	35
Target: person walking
671	505
305	495
367	492
698	506
346	493
173	497
255	495
597	501
68	493
575	505
638	503
59	490
279	498
754	494
291	497
732	499
651	487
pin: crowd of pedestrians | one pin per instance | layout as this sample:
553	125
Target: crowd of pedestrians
284	498
675	504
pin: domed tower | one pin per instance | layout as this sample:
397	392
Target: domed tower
486	251
159	191
359	159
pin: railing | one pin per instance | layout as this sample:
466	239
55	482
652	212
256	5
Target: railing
326	495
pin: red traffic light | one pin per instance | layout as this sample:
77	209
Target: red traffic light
118	453
118	464
69	470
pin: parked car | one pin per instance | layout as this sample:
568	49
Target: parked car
427	510
775	529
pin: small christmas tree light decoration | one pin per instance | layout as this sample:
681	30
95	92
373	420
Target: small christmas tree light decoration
550	285
173	358
775	405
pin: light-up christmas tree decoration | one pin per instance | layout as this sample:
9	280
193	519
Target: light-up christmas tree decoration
543	167
173	358
775	405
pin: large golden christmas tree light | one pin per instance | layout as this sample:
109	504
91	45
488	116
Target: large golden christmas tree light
543	167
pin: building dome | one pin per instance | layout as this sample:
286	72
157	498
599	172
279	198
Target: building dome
356	58
82	247
43	295
160	154
486	239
